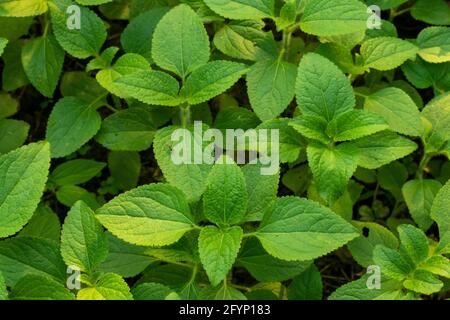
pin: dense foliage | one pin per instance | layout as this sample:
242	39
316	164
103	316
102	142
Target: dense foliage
93	205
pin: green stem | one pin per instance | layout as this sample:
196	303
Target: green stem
185	115
287	37
422	165
237	286
394	13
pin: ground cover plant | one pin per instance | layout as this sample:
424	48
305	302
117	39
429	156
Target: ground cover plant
119	179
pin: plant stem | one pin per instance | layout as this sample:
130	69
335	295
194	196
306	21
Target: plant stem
422	165
287	37
185	115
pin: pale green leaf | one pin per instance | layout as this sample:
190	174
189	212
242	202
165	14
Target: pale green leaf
22	8
300	229
150	215
332	168
83	243
180	42
242	9
307	285
107	286
150	87
321	88
271	87
44	224
210	80
392	263
333	17
218	250
434	44
419	195
386	53
71	124
225	198
424	282
382	148
23	173
188	177
397	108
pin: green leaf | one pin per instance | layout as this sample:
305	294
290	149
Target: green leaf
223	292
382	148
312	127
127	64
188	177
3	43
307	285
397	108
83	243
131	129
386	4
42	60
107	286
355	124
150	215
332	168
424	75
137	36
423	282
79	84
218	250
22	8
80	43
23	173
290	143
419	195
439	265
392	263
261	190
68	195
125	168
180	42
242	9
150	87
13	28
151	291
321	88
37	287
3	290
440	213
71	124
386	53
358	290
242	40
391	177
44	224
271	87
265	268
414	243
333	17
431	11
225	198
434	44
210	80
10	106
362	247
21	256
437	112
125	259
300	229
13	75
75	172
13	134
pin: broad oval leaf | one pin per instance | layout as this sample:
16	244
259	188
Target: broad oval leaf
150	215
300	229
23	173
